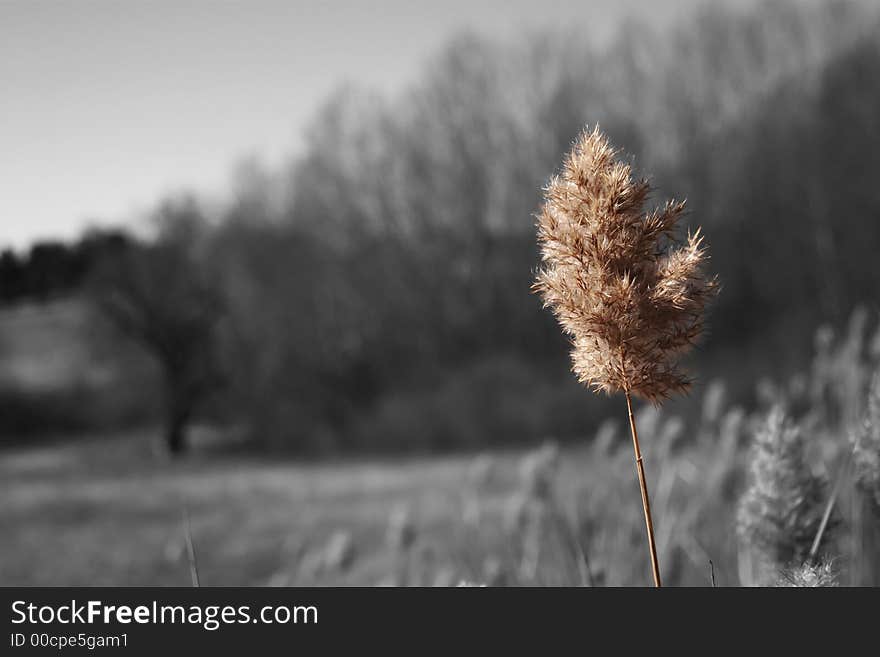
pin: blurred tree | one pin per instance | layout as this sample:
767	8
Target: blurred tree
157	295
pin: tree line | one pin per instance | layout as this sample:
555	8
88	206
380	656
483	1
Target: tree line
51	269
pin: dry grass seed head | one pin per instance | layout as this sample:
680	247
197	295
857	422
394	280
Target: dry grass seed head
628	295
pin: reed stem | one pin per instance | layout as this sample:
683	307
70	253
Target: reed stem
643	485
190	549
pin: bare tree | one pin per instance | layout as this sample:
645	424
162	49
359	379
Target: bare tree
156	295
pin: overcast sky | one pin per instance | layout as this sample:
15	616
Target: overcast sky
105	105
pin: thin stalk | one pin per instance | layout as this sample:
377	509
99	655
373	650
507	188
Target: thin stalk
190	549
829	507
643	485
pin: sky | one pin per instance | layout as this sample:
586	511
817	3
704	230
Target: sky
106	105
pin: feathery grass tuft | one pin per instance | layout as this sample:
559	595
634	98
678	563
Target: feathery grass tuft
780	513
808	576
629	296
866	446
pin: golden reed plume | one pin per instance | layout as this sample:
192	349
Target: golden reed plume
630	298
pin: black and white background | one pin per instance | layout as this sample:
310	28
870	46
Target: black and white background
265	308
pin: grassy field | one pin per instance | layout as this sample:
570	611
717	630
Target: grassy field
62	371
46	346
109	512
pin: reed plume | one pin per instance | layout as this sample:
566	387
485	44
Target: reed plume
628	295
866	446
808	575
781	511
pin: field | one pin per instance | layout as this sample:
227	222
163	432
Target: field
62	371
44	346
108	512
